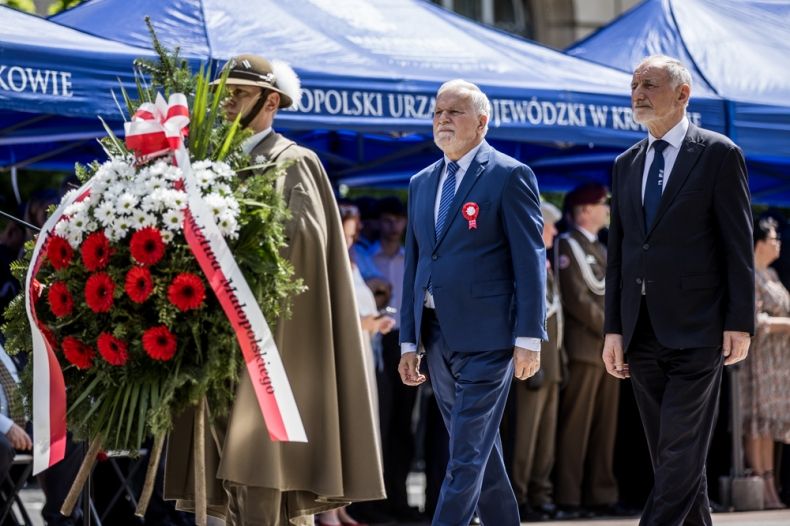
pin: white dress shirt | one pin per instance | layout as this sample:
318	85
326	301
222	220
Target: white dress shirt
533	344
675	138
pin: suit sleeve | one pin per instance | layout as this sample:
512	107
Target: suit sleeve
407	329
732	206
576	299
612	320
523	225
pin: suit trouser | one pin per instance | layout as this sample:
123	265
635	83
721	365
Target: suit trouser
587	432
677	391
535	426
471	390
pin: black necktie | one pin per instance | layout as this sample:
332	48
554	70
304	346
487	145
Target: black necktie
655	183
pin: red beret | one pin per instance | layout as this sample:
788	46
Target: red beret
586	194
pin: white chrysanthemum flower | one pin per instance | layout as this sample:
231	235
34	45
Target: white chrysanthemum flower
121	226
222	189
62	228
141	219
105	212
216	203
167	235
115	190
204	178
261	159
175	199
127	202
71	194
172	173
203	164
227	225
91	226
223	170
76	208
156	183
173	219
114	234
74	237
79	221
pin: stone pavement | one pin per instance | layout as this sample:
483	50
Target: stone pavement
34	500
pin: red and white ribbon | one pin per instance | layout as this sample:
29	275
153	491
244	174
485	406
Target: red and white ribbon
265	367
159	127
49	389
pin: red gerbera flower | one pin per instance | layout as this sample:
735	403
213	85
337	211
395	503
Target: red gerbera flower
95	251
78	353
186	292
98	292
59	252
147	246
159	343
112	349
139	284
60	300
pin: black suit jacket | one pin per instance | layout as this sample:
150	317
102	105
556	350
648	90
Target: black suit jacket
697	259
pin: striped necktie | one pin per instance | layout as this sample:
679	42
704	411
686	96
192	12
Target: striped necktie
448	193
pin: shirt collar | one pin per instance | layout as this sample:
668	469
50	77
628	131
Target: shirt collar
674	136
251	142
592	238
466	160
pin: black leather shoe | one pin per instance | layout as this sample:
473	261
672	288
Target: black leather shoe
613	510
529	514
549	508
567	513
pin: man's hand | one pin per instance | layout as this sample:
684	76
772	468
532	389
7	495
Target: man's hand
613	356
409	369
19	438
526	362
735	346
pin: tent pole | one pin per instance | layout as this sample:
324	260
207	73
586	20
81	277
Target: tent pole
15	185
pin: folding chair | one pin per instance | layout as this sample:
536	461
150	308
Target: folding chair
125	489
9	489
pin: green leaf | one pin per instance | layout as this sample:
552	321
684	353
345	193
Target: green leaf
142	412
84	394
131	410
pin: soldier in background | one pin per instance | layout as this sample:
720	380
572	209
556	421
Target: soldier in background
534	415
586	485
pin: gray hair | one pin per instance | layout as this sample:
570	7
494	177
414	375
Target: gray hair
677	71
479	99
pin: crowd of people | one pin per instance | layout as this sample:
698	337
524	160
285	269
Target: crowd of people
419	281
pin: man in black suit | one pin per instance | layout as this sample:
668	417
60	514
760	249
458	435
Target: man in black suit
679	283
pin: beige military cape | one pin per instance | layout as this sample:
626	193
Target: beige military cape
322	352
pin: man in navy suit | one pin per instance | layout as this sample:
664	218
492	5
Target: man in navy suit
679	283
473	298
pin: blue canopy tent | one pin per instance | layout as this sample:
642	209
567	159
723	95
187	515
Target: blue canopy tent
369	70
54	81
734	49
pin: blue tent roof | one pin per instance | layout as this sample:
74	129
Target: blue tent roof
54	81
734	48
369	71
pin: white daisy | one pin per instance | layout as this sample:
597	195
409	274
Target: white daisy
127	202
173	219
105	213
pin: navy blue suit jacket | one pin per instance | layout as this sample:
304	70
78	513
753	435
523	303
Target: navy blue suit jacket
488	283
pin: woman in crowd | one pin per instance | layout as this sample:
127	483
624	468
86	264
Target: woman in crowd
766	385
371	323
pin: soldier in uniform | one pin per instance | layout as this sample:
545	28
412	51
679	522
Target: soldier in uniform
252	481
534	415
589	402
